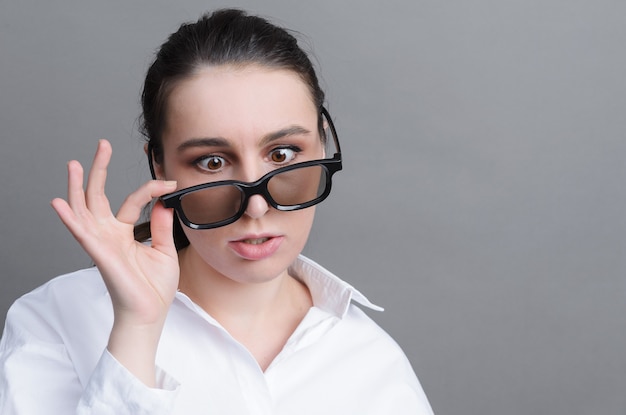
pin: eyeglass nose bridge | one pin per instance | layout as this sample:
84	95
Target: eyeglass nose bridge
256	188
247	190
260	187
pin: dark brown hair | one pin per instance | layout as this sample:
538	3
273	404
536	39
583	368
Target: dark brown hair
224	37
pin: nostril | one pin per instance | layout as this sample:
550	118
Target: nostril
257	206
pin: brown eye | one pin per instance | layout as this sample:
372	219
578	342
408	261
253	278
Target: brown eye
282	155
211	163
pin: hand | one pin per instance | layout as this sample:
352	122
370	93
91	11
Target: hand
142	280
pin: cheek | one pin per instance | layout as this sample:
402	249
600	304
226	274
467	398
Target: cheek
212	244
208	245
296	226
162	170
299	224
172	171
158	169
204	237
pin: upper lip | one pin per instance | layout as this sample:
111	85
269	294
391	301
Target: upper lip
255	236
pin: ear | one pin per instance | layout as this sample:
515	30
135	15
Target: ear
156	169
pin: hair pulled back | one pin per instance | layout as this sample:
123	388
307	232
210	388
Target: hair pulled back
224	37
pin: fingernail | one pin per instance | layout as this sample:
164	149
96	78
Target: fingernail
170	183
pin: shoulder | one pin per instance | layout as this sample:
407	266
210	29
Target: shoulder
354	328
361	326
359	345
61	326
65	291
87	279
65	303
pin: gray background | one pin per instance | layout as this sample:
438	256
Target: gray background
482	201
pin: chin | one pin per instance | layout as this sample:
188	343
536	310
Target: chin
227	264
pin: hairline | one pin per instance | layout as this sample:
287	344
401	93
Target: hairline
166	88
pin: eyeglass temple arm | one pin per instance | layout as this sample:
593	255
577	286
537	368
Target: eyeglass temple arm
150	159
332	128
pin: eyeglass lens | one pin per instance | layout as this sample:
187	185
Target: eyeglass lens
287	189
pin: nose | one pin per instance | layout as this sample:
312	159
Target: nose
257	207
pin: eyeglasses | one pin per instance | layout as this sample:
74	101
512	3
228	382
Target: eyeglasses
297	186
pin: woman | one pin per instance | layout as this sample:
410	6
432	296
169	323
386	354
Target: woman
218	313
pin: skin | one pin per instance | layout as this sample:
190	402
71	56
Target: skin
222	123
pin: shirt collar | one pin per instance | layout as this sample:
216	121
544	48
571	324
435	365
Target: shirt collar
328	291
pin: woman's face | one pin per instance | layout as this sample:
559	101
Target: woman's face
241	123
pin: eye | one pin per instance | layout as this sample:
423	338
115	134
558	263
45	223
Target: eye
283	155
210	163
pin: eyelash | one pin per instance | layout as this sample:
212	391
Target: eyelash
198	161
294	149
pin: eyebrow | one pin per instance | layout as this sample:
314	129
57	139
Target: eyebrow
222	142
285	132
203	142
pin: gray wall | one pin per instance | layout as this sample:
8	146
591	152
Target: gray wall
482	201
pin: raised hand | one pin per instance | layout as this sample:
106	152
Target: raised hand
142	280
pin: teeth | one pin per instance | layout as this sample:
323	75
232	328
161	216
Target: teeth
256	241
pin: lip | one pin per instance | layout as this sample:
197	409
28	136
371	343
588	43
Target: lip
256	251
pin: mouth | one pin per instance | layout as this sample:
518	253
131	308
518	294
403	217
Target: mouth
255	247
255	241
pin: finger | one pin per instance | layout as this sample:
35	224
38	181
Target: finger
161	228
96	199
131	208
73	213
77	226
75	192
67	216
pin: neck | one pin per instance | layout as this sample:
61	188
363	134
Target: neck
246	302
260	315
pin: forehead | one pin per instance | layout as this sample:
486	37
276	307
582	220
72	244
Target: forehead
234	101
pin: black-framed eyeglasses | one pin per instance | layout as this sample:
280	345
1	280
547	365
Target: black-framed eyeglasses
297	186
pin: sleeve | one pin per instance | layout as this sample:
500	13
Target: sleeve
114	390
390	385
39	377
398	391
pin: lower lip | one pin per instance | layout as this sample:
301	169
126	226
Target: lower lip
255	252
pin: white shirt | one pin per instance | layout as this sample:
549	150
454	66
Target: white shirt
53	359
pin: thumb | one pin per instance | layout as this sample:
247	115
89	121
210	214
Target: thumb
161	228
